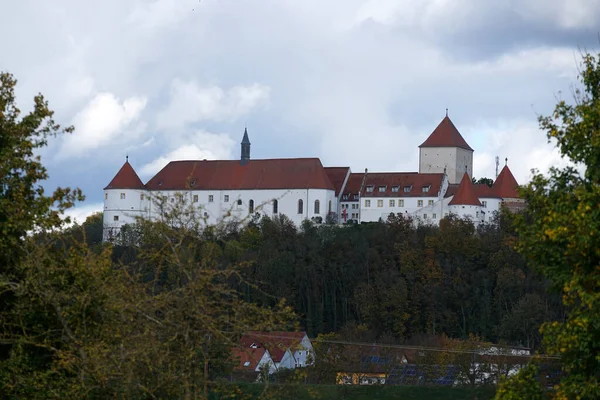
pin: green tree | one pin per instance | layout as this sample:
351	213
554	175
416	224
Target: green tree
560	235
483	181
24	205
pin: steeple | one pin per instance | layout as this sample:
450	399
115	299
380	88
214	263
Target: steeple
465	194
126	178
446	135
245	156
506	185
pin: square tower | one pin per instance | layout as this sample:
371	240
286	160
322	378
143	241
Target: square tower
445	150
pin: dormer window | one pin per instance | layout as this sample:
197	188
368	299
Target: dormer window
395	189
254	346
426	188
370	188
407	189
382	188
193	182
345	197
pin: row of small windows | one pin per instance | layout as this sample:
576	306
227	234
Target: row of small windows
392	203
354	206
211	199
396	188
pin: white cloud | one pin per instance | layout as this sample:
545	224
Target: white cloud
102	121
79	213
191	102
522	143
210	146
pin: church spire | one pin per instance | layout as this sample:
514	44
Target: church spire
245	156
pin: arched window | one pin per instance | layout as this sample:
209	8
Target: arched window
300	206
275	206
329	206
251	206
317	207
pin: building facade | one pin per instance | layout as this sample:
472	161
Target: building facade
303	189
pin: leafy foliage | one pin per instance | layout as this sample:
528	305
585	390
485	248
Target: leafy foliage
559	235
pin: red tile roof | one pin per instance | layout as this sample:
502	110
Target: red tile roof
126	178
253	356
413	180
482	191
337	176
292	173
506	185
465	194
276	342
353	186
446	135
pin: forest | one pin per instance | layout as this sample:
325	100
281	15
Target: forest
396	280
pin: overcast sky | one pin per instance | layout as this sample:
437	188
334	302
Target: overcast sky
357	83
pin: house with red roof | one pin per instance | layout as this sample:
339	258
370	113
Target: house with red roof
287	350
214	191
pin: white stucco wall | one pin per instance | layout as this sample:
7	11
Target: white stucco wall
224	204
288	361
127	209
302	352
266	361
453	159
404	205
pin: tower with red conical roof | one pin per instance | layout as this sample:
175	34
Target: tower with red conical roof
465	202
445	150
125	199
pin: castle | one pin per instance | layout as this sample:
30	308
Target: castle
301	188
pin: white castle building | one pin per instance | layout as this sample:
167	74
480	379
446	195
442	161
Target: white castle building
302	188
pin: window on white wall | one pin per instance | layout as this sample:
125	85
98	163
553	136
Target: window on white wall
142	196
211	198
122	196
226	198
392	203
430	202
484	204
275	206
434	216
251	206
367	203
105	196
379	203
317	207
300	207
425	216
195	198
239	202
419	203
116	218
400	203
329	209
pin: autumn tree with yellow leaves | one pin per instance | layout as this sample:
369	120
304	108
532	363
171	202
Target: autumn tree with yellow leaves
560	235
